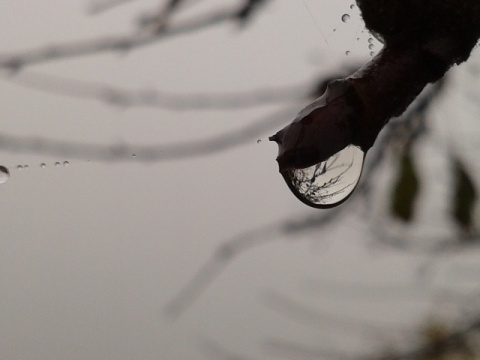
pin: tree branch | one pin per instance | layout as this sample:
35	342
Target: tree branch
153	98
17	61
154	153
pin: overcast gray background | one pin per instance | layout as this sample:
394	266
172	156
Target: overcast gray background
90	254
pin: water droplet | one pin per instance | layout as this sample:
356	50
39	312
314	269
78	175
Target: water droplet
4	174
371	46
19	167
26	166
43	165
328	183
352	6
347	52
372	53
345	18
57	164
259	141
66	163
370	40
134	155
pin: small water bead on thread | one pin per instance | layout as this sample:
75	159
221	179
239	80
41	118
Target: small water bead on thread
259	141
43	165
372	53
347	52
370	40
66	163
4	174
26	166
352	6
371	46
19	167
134	155
57	164
345	18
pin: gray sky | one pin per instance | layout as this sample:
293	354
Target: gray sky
92	253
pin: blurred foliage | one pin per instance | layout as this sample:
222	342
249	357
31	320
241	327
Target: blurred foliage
441	341
464	197
405	188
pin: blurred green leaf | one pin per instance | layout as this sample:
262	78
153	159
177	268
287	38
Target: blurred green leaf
405	190
464	197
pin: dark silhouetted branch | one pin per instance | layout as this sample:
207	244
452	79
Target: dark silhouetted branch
230	249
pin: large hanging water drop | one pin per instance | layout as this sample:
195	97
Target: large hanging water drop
4	174
320	153
328	183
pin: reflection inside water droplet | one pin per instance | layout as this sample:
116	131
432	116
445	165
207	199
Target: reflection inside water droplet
330	182
4	174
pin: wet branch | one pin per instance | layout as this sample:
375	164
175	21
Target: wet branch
231	249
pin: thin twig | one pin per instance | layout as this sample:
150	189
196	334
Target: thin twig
158	99
145	153
101	6
230	249
300	312
127	42
225	254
